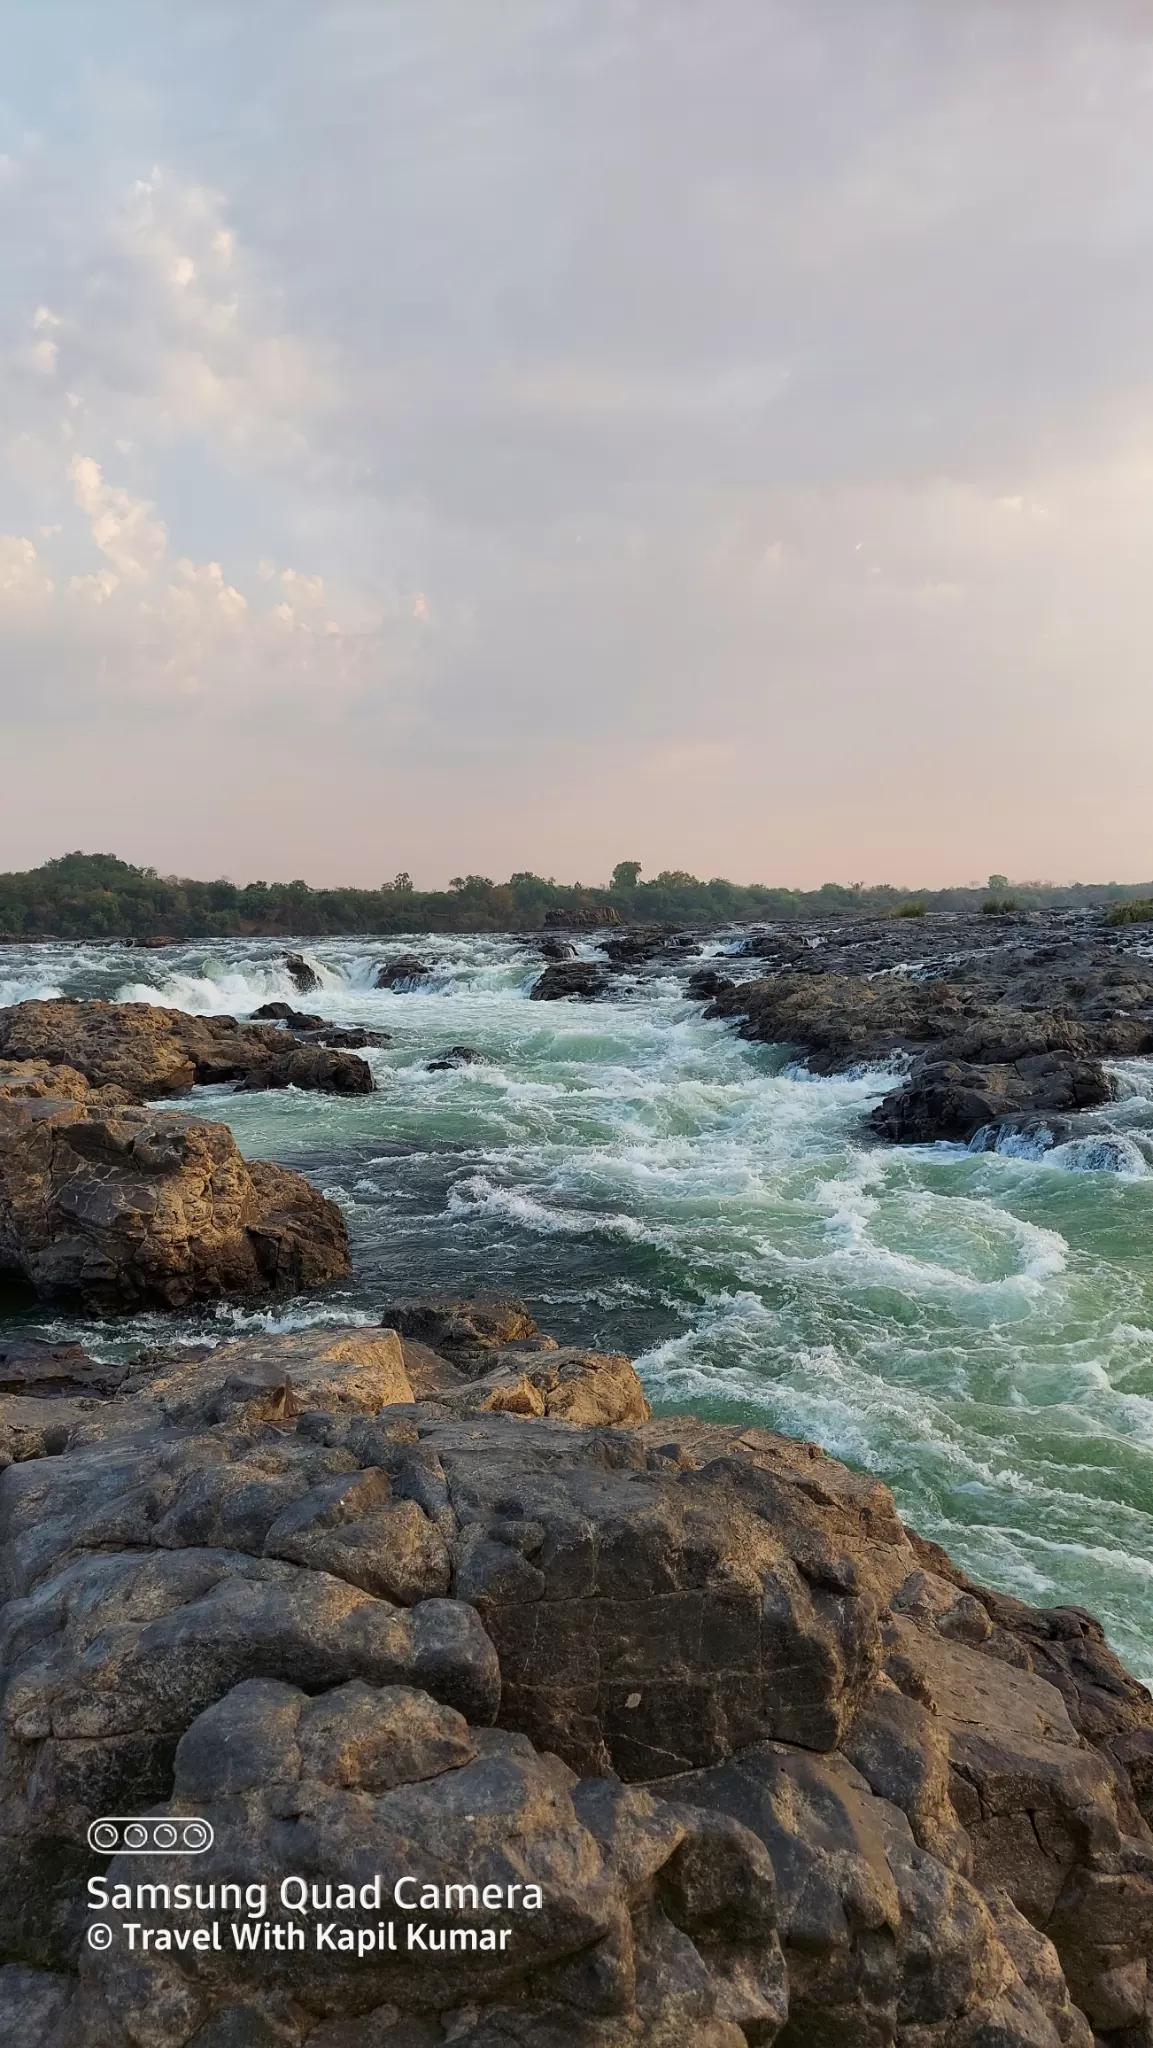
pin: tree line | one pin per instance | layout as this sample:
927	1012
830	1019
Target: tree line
98	896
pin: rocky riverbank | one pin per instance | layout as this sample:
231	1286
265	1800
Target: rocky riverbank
729	1754
995	1022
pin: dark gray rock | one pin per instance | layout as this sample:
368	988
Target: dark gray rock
583	980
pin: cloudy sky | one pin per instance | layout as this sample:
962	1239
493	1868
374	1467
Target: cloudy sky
457	436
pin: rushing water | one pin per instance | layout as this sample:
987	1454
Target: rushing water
975	1328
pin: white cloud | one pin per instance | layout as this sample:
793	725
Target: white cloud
121	526
97	588
22	580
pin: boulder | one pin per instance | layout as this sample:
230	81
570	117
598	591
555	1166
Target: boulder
314	1066
145	1052
881	1942
946	1099
303	975
557	949
520	1912
403	971
124	1208
456	1056
283	1013
583	979
463	1329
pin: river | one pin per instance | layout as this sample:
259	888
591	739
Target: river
976	1329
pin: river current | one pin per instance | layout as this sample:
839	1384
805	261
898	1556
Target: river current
976	1329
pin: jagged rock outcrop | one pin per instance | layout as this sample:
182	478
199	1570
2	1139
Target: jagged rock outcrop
583	979
324	1592
1015	1027
118	1208
147	1052
946	1099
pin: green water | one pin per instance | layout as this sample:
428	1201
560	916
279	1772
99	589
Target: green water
976	1329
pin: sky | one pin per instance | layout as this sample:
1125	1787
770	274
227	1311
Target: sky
466	438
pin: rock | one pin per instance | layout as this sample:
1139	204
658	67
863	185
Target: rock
309	1066
462	1328
707	983
404	971
948	1100
34	2006
583	979
574	1386
123	1209
39	1081
354	1037
557	949
587	919
283	1013
643	1604
456	1056
290	1584
303	976
1013	1028
341	1038
880	1941
144	1052
387	1789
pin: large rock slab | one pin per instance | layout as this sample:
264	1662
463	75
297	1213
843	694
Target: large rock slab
147	1052
121	1209
577	1921
882	1943
654	1606
731	1636
948	1100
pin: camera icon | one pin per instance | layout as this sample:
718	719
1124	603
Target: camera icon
126	1834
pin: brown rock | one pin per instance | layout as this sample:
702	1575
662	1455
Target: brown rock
147	1052
125	1209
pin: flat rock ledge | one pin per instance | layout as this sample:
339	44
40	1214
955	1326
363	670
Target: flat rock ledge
729	1754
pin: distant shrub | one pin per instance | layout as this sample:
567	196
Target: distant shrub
999	906
914	908
1139	911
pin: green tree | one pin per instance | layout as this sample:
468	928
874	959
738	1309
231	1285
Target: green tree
626	875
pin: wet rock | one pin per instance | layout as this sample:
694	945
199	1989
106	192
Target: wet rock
353	1037
707	983
283	1013
404	971
456	1056
946	1099
582	979
341	1038
557	949
317	1067
124	1209
302	974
